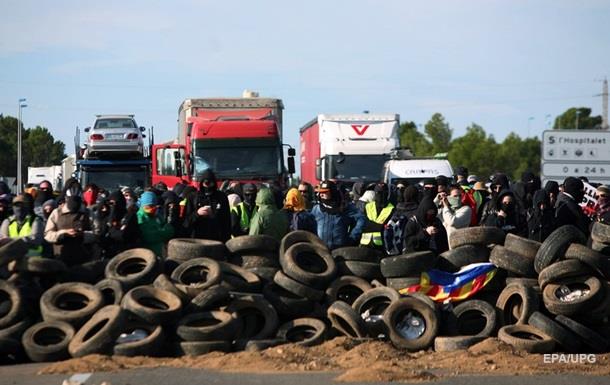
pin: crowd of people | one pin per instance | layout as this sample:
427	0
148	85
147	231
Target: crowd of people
86	223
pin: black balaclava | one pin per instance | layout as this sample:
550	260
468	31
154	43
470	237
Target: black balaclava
73	193
249	191
179	188
507	208
24	208
410	194
207	175
381	196
574	187
119	209
43	195
334	202
171	198
430	192
541	196
427	204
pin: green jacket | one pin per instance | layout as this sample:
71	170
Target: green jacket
155	232
268	220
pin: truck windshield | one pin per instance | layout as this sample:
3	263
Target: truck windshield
238	158
113	179
358	167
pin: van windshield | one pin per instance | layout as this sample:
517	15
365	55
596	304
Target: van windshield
358	167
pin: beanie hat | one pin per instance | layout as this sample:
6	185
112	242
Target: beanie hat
461	171
572	185
148	198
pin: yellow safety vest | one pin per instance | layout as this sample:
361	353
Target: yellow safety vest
26	229
371	213
244	219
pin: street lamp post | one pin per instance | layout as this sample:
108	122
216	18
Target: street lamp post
577	116
528	125
19	153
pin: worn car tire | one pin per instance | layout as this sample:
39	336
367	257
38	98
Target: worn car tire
513	262
356	253
112	291
72	302
366	270
151	346
587	256
564	337
183	249
12	250
451	344
98	334
198	348
196	275
303	331
454	259
347	288
555	245
47	341
556	305
400	283
473	318
259	318
253	261
209	326
11	293
516	303
527	338
239	279
134	267
309	264
212	298
163	282
15	331
480	235
371	306
559	270
249	243
40	265
522	246
266	274
345	319
588	336
286	303
153	305
407	264
600	232
297	287
412	307
299	236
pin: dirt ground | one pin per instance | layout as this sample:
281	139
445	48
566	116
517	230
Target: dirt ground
366	361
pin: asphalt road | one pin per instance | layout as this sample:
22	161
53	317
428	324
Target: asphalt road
26	375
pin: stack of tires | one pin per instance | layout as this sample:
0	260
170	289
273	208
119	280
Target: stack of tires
258	254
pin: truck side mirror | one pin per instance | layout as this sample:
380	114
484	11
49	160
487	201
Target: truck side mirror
87	129
318	169
292	152
142	129
291	167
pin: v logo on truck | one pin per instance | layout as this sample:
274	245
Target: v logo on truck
360	128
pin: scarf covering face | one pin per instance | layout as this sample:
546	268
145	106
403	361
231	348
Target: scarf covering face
294	200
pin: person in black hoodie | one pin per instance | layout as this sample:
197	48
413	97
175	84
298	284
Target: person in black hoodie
425	231
541	217
208	215
568	210
507	217
499	183
116	227
552	189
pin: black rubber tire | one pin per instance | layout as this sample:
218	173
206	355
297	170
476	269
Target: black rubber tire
249	243
303	331
568	268
600	314
183	249
40	265
394	315
112	291
209	326
603	248
153	305
556	306
251	311
600	233
366	270
266	274
407	264
297	287
212	298
555	245
530	282
10	292
259	345
15	331
309	264
401	283
151	346
12	250
480	235
373	303
11	351
454	259
47	341
522	246
568	340
535	341
356	253
299	236
347	288
89	272
516	303
512	262
587	256
55	303
466	317
198	348
134	267
98	334
239	279
588	336
286	303
450	344
163	282
345	320
196	275
253	261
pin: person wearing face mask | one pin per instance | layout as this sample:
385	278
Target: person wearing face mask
69	228
499	182
481	197
116	228
552	189
541	218
130	199
424	231
298	217
602	207
378	213
339	223
568	211
453	214
45	193
154	230
90	195
268	219
24	224
507	217
207	213
242	213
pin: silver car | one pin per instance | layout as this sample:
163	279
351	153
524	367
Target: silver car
114	134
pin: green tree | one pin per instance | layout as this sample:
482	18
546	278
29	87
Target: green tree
413	139
439	133
476	151
581	116
519	155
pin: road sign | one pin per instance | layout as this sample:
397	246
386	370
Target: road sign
576	146
565	169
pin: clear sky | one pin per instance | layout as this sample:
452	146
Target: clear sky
506	65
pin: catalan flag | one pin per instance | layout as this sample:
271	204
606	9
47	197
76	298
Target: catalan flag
442	286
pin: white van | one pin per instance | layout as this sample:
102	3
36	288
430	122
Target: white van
414	170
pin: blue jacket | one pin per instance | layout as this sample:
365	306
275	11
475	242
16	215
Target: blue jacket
343	228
